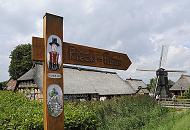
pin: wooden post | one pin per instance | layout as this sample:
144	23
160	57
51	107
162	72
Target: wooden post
53	52
53	73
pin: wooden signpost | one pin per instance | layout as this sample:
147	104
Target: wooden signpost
53	53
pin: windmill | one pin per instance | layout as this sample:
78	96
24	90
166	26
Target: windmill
162	87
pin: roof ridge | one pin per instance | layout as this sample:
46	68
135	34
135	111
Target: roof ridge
87	69
186	75
134	79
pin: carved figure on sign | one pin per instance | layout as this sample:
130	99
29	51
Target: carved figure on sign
54	54
55	100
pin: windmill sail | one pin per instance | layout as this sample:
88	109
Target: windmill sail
163	56
162	87
145	70
180	71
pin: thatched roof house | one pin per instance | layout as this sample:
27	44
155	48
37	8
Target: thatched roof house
182	85
11	84
138	86
26	79
82	82
92	81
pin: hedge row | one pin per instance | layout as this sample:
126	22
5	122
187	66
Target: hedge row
17	113
125	113
128	113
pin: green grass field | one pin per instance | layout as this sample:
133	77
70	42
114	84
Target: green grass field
176	120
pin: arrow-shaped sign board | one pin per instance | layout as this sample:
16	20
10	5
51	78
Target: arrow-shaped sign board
83	55
88	56
53	52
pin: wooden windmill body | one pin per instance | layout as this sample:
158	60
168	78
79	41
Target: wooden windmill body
162	86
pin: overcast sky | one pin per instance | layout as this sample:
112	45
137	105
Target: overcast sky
136	27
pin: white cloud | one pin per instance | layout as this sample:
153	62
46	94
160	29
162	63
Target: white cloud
116	46
4	67
178	57
137	28
89	6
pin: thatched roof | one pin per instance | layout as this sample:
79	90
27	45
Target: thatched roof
183	83
11	84
104	83
27	76
79	80
137	84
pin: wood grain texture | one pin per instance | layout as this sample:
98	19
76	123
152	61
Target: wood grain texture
72	54
52	25
88	56
38	49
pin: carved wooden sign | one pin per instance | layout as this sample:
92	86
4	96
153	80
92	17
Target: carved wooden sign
53	72
53	53
88	56
38	49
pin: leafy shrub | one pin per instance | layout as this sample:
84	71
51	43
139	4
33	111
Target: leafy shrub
124	113
181	97
186	94
79	117
128	113
17	113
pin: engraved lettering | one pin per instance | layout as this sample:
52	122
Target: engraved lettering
76	54
108	60
79	55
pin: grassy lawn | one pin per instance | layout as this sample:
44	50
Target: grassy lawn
183	123
177	120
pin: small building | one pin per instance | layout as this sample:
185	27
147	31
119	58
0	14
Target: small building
11	84
182	85
79	83
27	85
96	82
138	86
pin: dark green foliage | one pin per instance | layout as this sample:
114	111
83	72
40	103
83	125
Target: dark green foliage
170	83
20	61
152	85
18	113
3	85
128	113
79	117
187	94
125	113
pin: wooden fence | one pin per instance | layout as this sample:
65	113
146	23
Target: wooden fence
178	103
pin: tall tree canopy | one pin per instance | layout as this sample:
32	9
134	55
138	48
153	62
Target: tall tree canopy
20	60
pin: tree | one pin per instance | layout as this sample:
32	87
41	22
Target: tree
21	60
170	83
187	93
3	85
152	85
